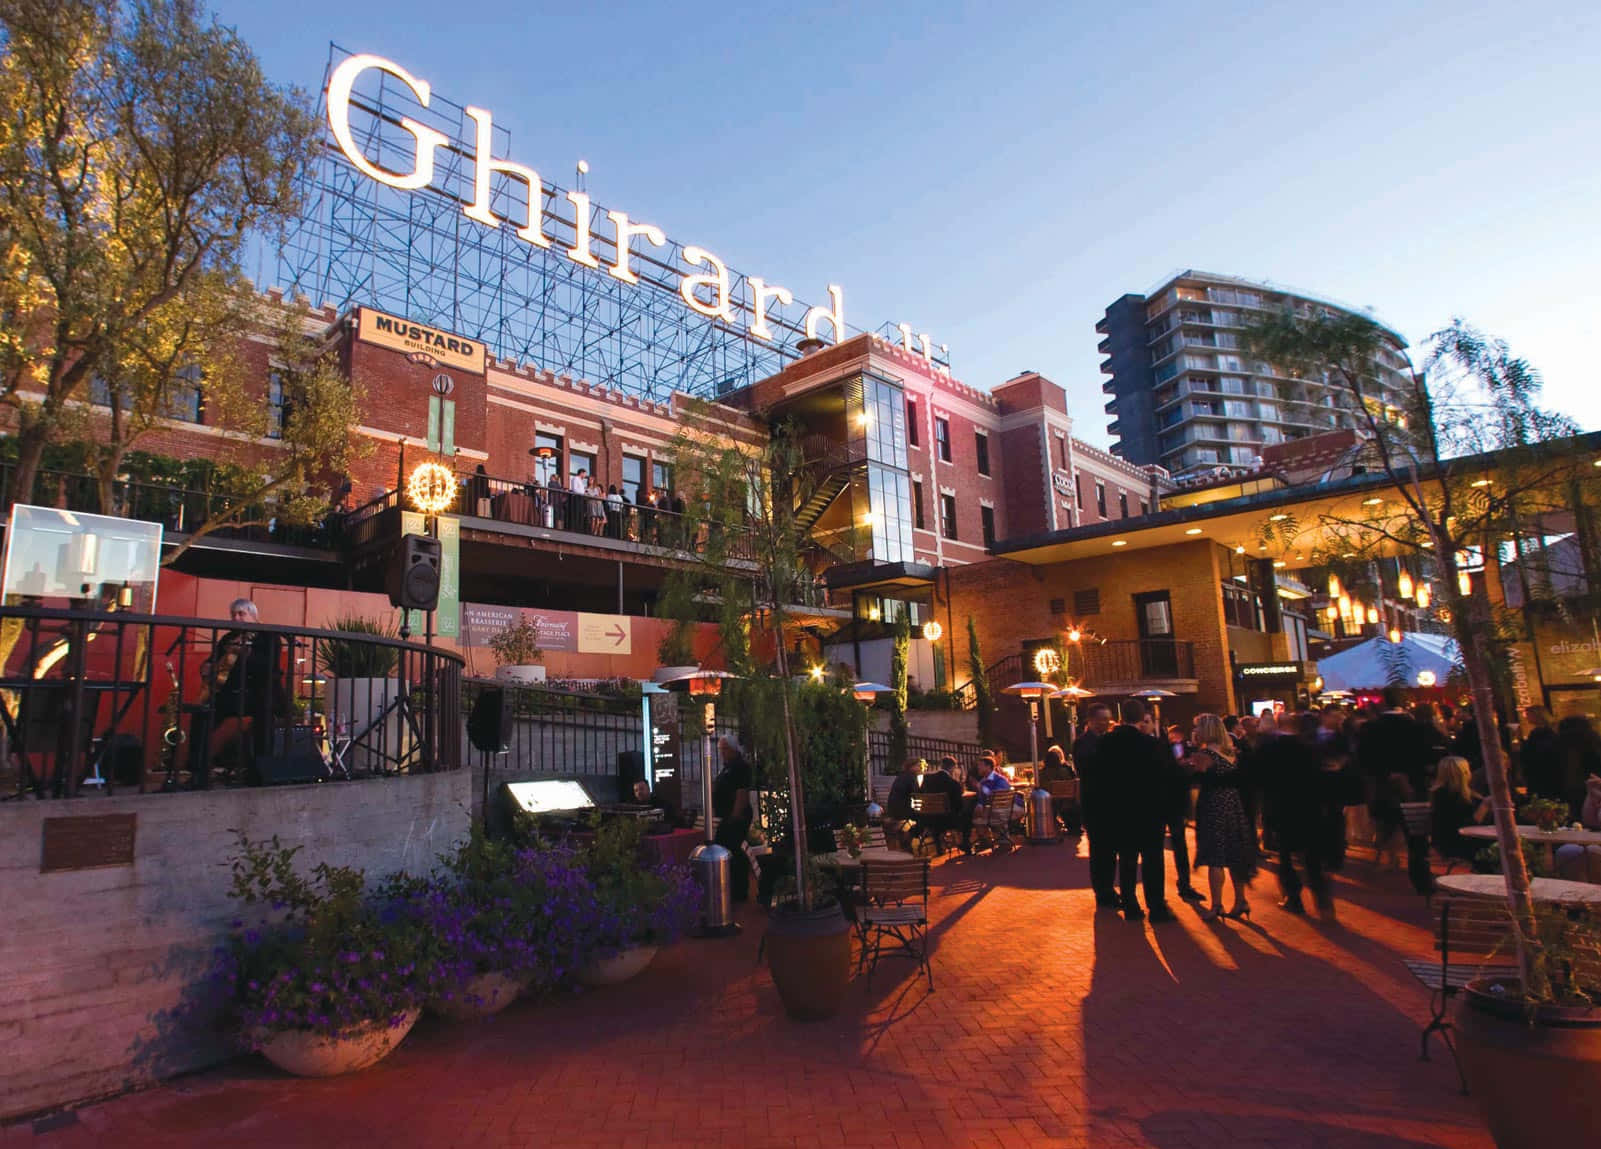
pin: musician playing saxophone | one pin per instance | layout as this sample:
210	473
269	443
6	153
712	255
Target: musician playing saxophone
243	685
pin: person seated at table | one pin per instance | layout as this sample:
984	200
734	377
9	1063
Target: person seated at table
671	817
898	806
1583	863
1058	769
942	782
993	786
1453	805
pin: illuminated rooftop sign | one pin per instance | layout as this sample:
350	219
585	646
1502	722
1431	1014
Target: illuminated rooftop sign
703	278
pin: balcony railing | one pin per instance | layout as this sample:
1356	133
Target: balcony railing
530	504
122	701
1132	660
180	510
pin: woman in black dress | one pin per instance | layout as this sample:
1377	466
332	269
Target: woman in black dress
1224	836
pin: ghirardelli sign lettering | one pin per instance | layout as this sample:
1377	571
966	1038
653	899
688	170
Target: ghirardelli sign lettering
704	282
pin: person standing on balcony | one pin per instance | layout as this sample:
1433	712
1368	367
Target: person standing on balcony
577	508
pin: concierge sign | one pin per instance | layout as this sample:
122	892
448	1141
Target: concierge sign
704	280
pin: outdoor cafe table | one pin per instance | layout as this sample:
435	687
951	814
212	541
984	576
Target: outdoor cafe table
1553	891
1550	839
843	859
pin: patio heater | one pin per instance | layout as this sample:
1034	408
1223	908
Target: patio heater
713	864
1154	698
1073	694
867	693
1041	817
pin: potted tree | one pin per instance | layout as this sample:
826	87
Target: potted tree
364	687
1471	459
517	653
753	566
321	979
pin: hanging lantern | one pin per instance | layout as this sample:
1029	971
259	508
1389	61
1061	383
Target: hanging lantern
1403	584
1395	634
1373	615
1345	605
1333	612
1425	595
1464	583
1334	586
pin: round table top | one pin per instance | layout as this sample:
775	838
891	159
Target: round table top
1531	833
873	854
1552	890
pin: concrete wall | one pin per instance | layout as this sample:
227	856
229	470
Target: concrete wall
101	970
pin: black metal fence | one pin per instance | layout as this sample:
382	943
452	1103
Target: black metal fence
929	749
123	701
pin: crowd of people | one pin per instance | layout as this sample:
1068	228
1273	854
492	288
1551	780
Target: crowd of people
582	504
1278	784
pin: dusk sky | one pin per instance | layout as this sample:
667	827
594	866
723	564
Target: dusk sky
996	173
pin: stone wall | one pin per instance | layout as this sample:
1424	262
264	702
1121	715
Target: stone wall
102	987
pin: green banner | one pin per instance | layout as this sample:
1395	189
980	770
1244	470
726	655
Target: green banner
447	618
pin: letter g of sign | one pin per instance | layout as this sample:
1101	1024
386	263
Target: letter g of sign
339	86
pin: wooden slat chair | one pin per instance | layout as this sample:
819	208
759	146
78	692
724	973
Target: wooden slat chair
1064	799
1471	932
927	806
995	818
894	906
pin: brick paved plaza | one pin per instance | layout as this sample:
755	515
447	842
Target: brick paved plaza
1050	1024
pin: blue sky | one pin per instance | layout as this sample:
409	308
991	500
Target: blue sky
997	173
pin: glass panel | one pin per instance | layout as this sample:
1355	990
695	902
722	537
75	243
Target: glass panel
633	477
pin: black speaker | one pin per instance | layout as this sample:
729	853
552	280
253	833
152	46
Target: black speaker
630	769
487	728
123	759
296	756
414	575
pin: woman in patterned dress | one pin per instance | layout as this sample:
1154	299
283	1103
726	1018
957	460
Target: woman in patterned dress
1224	836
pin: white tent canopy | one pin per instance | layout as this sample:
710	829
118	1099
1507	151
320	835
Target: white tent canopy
1370	665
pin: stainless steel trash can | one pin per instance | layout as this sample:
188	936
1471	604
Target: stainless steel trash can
1041	818
713	867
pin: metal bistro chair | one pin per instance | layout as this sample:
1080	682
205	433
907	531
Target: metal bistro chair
996	816
1064	800
1471	933
894	905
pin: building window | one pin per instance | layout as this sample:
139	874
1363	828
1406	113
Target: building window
1078	492
942	437
1122	505
633	477
987	517
917	505
580	461
911	422
1144	508
184	401
947	516
1086	602
277	409
661	477
1061	451
1100	499
547	457
981	442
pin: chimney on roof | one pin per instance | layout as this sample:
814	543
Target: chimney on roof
805	347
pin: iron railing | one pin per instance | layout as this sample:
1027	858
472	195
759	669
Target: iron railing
181	510
123	701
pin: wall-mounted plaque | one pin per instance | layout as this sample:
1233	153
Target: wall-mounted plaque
87	843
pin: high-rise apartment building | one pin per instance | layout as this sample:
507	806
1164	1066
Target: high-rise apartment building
1186	395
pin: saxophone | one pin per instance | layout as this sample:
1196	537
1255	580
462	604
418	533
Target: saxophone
172	736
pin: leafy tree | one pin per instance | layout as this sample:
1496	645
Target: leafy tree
983	700
899	732
288	481
748	562
1469	453
140	145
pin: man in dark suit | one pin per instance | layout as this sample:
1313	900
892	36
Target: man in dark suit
1397	754
1095	784
1141	788
942	781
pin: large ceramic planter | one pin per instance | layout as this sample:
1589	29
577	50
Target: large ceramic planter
482	996
354	705
521	675
617	968
307	1054
1538	1083
810	956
